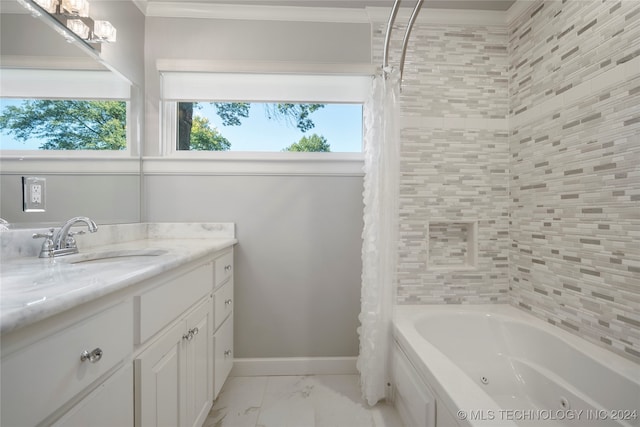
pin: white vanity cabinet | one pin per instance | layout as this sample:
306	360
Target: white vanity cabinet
223	320
145	355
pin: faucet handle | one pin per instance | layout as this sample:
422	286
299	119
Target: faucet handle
44	235
47	246
70	241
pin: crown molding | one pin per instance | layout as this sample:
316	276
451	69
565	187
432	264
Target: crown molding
441	16
317	14
261	13
367	15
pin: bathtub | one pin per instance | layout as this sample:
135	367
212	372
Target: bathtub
495	365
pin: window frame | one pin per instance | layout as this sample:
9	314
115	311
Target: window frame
256	87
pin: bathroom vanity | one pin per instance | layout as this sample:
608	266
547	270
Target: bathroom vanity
129	333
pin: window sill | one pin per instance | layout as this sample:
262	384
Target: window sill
255	163
68	162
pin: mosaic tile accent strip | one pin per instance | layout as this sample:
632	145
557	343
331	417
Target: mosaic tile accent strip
575	169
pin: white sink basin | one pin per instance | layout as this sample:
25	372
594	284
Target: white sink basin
111	256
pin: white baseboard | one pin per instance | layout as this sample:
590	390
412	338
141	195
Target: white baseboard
250	367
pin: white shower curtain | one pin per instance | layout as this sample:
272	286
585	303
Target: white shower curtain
379	248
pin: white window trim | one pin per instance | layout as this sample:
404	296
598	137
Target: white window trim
68	84
254	87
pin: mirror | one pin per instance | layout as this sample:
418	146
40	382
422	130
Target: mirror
37	59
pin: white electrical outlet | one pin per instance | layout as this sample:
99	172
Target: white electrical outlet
36	193
33	194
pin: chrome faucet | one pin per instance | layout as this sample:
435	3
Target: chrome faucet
63	243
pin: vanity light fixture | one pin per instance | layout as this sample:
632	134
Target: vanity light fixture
74	14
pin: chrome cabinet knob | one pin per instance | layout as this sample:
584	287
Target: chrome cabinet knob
194	331
228	302
227	267
93	356
227	353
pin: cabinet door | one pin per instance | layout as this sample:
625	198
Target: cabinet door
111	404
160	380
223	350
199	364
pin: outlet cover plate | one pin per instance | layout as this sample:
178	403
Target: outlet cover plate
33	194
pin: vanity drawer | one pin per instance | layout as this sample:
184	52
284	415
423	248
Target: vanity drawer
223	304
223	354
159	306
43	376
109	405
224	268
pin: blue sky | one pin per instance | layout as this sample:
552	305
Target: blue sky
340	124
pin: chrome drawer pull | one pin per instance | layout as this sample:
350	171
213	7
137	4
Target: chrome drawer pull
92	357
228	302
227	267
190	334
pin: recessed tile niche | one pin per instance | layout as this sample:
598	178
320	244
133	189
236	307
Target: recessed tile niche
452	245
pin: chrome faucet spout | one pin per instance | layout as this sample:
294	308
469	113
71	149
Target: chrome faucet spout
64	243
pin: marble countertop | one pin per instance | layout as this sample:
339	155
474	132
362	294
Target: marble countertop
32	288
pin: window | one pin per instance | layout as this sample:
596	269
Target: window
263	112
62	124
260	126
63	110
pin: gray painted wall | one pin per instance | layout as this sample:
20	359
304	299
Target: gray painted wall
107	199
297	275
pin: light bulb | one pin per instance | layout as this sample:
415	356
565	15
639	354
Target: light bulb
104	31
76	7
78	27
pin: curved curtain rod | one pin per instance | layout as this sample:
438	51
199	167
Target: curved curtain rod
405	39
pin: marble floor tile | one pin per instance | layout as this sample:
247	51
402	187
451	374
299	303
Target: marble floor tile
297	401
238	403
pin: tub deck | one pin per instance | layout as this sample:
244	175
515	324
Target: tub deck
501	366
